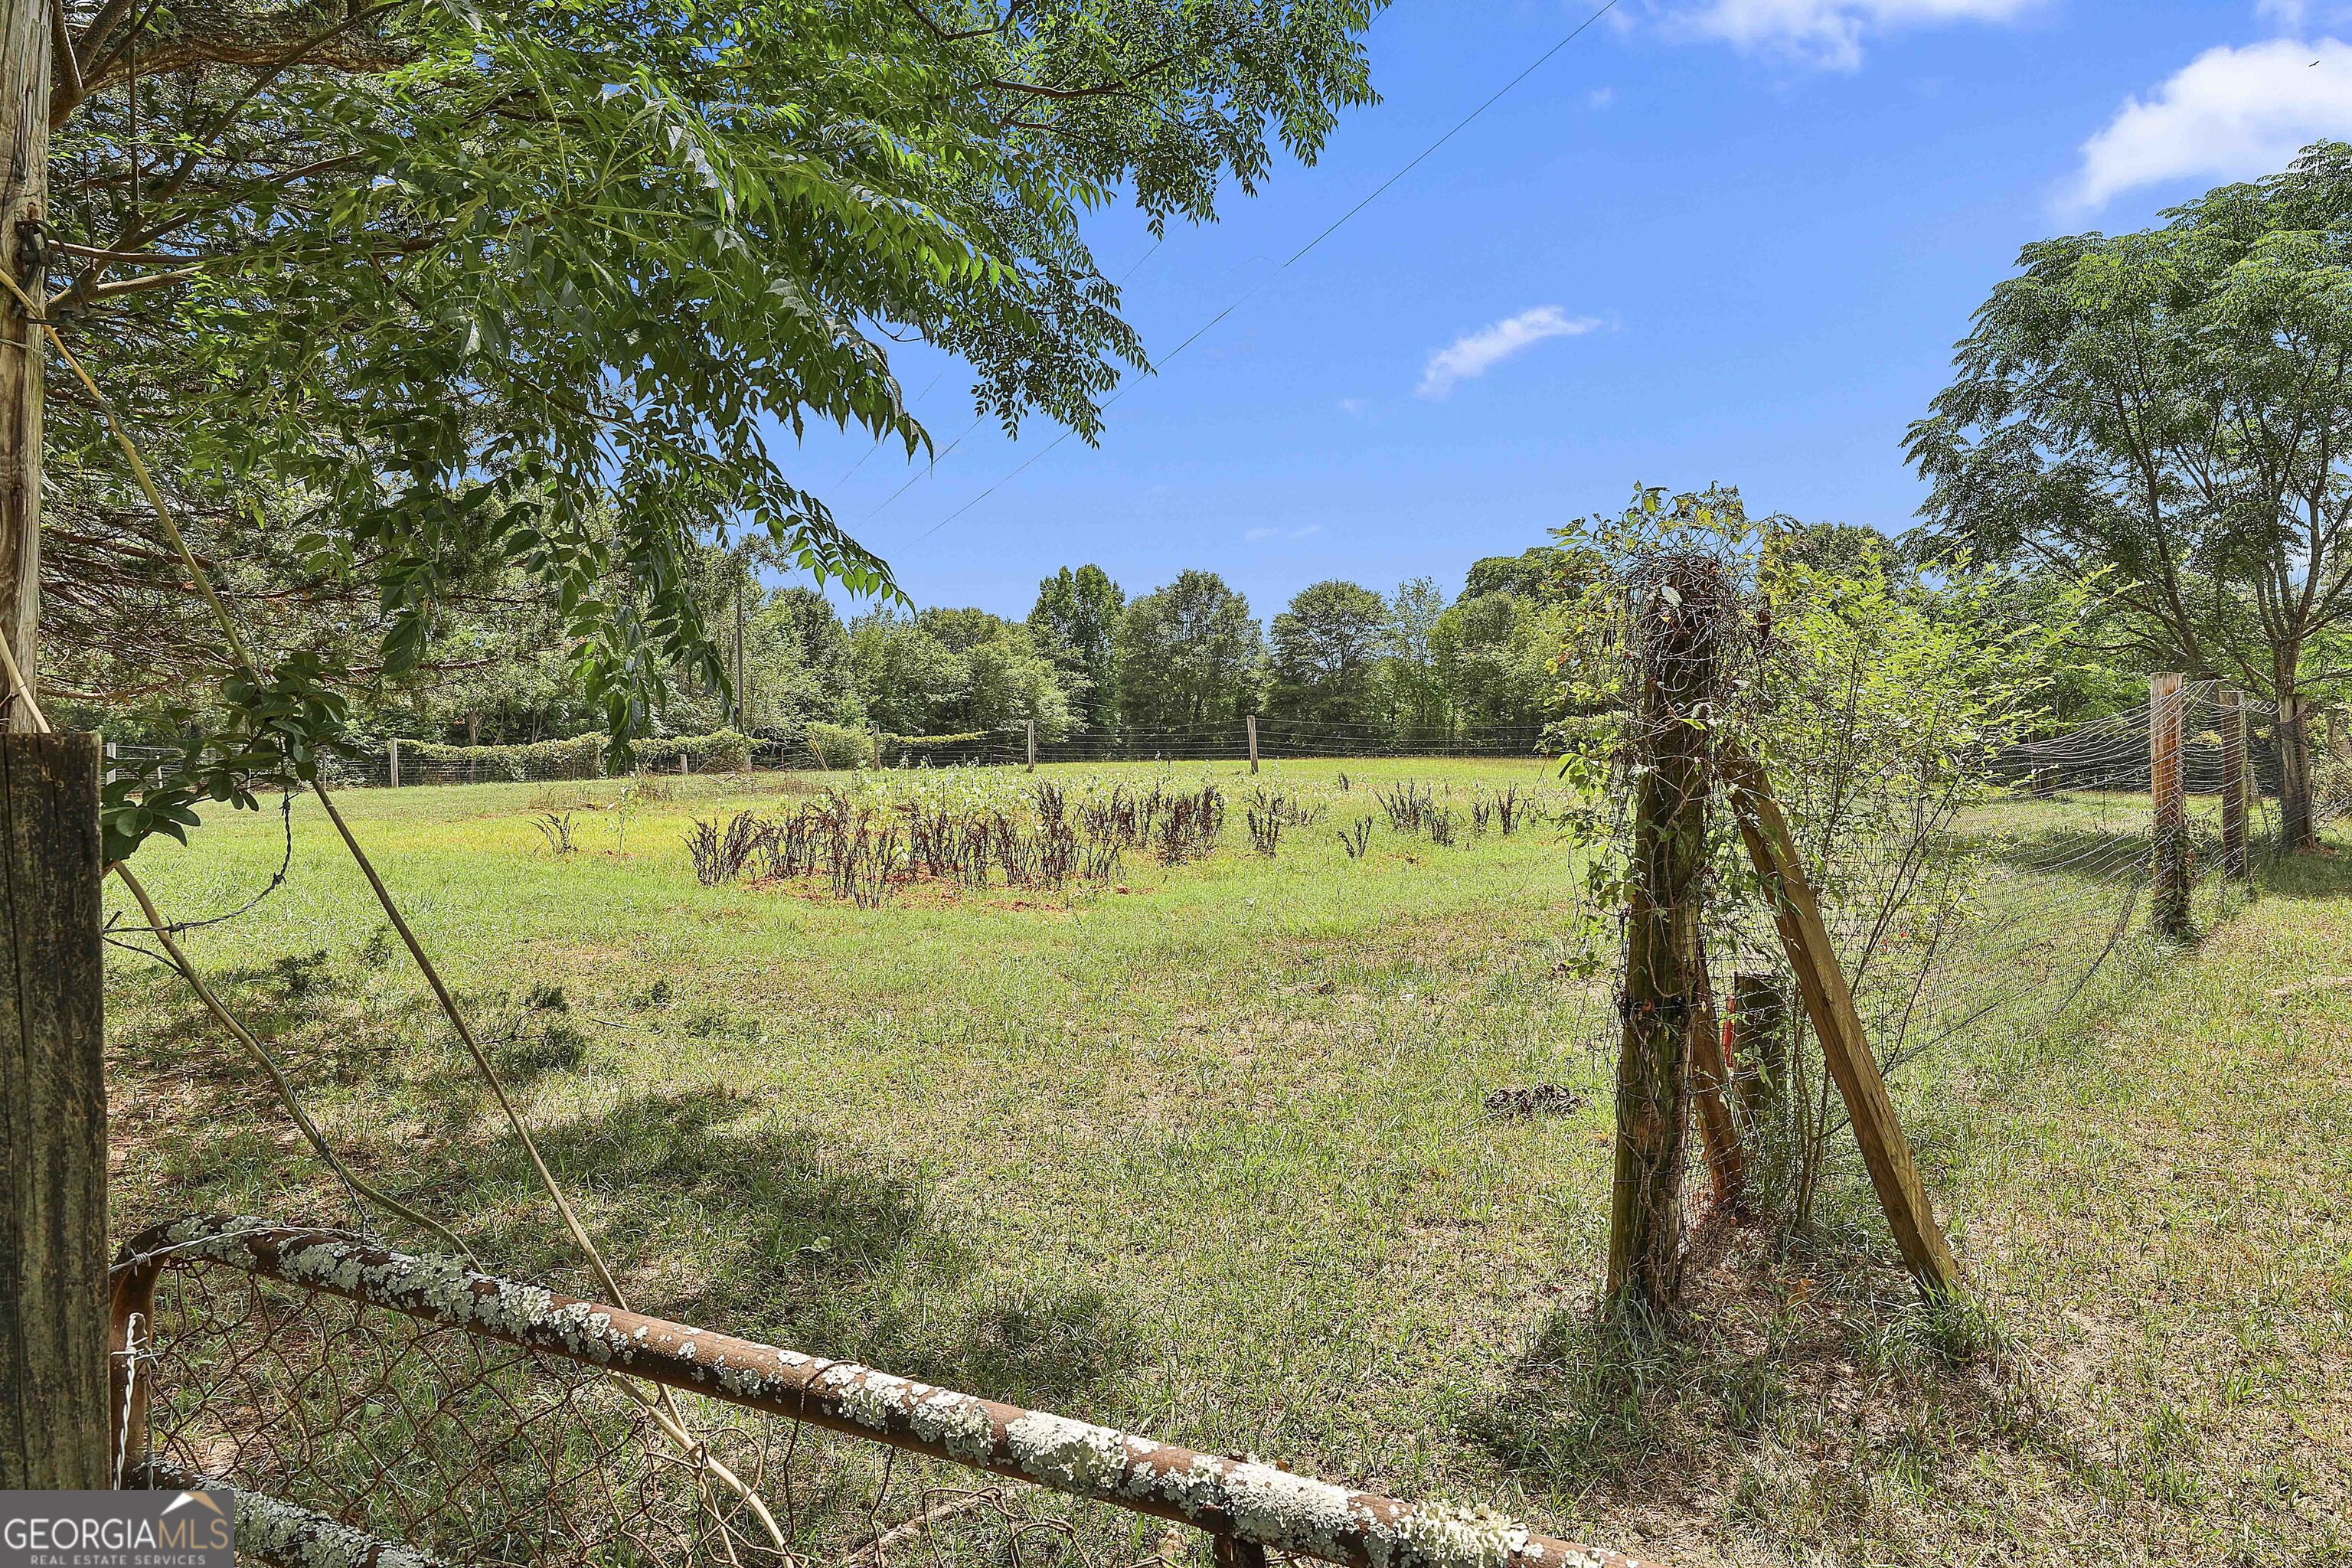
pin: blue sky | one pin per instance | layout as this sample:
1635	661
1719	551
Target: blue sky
1710	239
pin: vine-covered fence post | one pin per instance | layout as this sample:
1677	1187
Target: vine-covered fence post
53	1306
1679	614
2168	883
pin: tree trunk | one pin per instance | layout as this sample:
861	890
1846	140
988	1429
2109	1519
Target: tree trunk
2297	830
23	206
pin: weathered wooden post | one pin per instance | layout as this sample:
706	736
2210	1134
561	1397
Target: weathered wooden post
1033	745
391	749
2168	830
2235	860
53	1302
1679	618
1760	1046
1251	721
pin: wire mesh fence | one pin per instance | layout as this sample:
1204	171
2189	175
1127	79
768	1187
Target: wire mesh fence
2002	911
407	765
478	1452
479	1420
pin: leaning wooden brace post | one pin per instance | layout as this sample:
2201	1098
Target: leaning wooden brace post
1679	620
1710	1068
2169	802
2235	861
1845	1046
53	1306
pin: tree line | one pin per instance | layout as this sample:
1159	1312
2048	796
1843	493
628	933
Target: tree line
1088	658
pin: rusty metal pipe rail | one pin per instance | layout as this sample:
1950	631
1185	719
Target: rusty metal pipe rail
1251	1508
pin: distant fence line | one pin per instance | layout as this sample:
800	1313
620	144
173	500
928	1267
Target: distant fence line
2121	763
405	763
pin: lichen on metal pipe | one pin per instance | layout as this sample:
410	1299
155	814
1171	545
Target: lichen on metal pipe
269	1529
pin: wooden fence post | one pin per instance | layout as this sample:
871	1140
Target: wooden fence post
53	1294
2235	860
393	748
2168	799
1845	1046
1760	1046
1033	745
1251	721
1676	676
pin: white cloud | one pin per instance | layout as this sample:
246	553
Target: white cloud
2230	113
1831	32
1257	535
1474	353
1602	97
1260	535
1352	405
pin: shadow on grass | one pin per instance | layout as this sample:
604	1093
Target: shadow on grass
707	1208
1816	1353
2321	873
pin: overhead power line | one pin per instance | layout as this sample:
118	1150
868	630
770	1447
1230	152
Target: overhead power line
1295	256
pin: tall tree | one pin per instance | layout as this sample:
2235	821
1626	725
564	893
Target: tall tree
1188	653
2173	410
950	672
1496	654
1546	574
1076	620
1417	695
386	287
1326	654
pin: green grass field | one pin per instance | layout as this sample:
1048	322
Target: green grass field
1207	1154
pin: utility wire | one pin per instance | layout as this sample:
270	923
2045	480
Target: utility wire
1295	256
976	419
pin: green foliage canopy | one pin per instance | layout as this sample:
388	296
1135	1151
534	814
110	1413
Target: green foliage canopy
2172	410
1326	655
393	289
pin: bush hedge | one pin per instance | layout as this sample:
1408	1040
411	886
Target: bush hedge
582	756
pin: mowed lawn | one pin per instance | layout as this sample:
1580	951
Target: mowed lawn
1207	1154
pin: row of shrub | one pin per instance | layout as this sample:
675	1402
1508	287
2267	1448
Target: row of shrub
582	756
839	746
